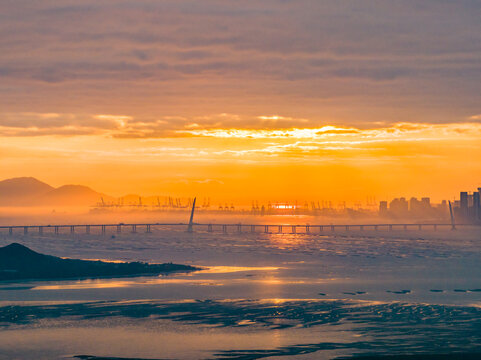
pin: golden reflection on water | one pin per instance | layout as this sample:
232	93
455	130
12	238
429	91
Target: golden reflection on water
105	284
109	283
286	241
231	269
114	283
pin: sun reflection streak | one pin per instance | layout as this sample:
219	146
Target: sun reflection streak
231	269
107	284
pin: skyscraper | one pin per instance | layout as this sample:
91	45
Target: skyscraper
476	205
463	203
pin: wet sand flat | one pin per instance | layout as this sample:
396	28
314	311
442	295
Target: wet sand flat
259	296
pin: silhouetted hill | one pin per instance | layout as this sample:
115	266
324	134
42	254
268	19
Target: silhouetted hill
19	262
18	191
28	191
70	195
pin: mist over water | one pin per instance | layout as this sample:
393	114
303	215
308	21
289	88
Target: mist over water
51	215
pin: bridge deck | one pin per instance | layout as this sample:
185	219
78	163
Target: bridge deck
238	227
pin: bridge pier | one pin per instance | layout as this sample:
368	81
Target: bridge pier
103	229
253	228
134	229
332	228
55	230
147	229
266	229
239	228
209	228
40	230
321	228
293	228
279	229
72	229
347	227
224	229
87	229
308	229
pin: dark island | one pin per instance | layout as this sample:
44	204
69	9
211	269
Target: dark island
18	262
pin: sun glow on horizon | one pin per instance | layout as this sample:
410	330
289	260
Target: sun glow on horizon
210	155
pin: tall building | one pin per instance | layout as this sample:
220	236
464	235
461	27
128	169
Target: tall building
399	207
463	203
426	202
476	205
420	207
479	204
414	209
468	208
413	204
383	208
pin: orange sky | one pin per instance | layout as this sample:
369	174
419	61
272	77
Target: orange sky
271	100
331	163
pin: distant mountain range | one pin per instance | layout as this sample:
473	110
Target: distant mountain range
28	191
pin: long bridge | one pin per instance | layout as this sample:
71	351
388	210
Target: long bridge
224	228
232	227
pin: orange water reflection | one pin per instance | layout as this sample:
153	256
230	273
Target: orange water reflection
105	284
142	281
232	269
109	283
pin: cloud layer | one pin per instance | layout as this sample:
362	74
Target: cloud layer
340	61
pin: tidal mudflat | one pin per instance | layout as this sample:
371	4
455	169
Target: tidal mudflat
278	296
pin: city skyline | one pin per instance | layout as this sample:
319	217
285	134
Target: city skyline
25	188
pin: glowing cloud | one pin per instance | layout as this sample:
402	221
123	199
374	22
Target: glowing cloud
395	132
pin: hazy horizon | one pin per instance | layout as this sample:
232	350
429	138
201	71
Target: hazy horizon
91	197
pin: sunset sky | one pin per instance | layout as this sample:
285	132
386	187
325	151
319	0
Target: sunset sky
270	100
